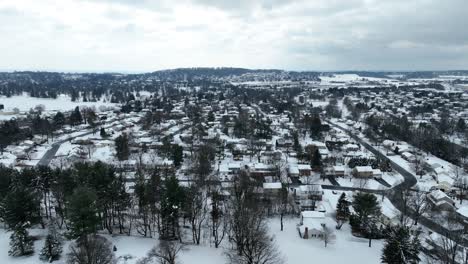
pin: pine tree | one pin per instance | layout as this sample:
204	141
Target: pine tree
171	202
82	214
121	147
52	247
315	127
365	205
401	247
317	159
21	206
75	117
59	120
21	244
177	155
461	125
342	210
103	132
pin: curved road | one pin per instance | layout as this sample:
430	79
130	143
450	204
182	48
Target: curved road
394	195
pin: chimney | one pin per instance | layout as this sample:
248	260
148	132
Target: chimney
306	233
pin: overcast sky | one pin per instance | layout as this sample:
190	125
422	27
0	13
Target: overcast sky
140	35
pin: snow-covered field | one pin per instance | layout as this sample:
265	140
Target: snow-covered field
339	79
63	103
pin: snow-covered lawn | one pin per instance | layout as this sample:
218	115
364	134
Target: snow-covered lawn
134	246
345	249
104	154
63	103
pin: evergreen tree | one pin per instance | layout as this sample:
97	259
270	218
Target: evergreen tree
21	244
21	206
52	247
103	133
211	117
297	145
75	117
315	127
316	159
59	120
82	212
171	202
401	247
367	211
177	155
342	210
365	205
461	125
92	118
121	147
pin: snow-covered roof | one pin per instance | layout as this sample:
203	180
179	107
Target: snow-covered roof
463	211
313	214
293	169
272	185
364	169
339	168
303	167
438	194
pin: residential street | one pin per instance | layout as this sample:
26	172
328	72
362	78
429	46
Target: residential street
395	194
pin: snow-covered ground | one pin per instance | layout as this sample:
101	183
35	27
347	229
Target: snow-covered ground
63	103
340	79
345	249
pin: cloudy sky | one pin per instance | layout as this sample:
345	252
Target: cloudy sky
144	35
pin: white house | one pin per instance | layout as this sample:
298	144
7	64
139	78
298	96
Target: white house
311	225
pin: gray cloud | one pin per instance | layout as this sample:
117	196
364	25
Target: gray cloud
305	35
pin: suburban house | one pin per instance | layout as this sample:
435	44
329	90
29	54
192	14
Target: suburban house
313	192
304	169
363	171
272	188
311	225
307	196
440	201
293	170
338	171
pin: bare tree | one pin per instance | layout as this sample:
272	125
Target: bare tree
219	223
91	249
197	210
418	164
462	184
448	245
328	236
165	253
405	196
417	201
89	145
248	231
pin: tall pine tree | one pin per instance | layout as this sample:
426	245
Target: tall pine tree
342	210
53	245
21	206
21	244
401	247
171	202
82	212
121	147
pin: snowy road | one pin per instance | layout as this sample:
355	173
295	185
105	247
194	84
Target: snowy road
50	154
395	194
